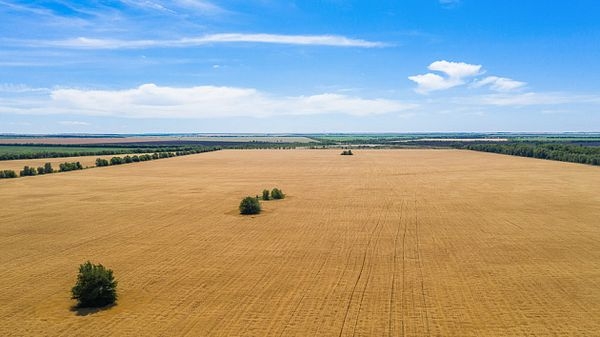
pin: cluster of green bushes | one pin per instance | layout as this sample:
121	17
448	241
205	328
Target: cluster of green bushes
46	169
251	205
32	171
347	153
5	174
552	151
28	171
64	167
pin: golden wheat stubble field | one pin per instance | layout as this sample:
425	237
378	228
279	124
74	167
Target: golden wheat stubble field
382	243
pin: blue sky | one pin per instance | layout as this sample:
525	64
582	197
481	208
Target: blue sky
299	66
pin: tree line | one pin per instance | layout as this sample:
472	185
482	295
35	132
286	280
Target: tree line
145	157
64	167
104	152
551	151
46	169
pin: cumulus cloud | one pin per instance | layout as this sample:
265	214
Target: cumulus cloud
314	40
501	84
456	73
152	101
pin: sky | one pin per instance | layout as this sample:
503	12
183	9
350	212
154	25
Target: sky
265	66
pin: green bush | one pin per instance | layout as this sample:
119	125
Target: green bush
70	166
28	171
4	174
277	194
101	162
117	161
95	287
249	205
265	195
48	168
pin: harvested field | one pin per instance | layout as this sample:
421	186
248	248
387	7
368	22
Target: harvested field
86	161
382	243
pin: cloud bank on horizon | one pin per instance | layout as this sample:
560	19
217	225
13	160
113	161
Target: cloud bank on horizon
131	66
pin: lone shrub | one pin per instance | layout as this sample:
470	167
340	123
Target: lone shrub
347	153
95	287
249	205
277	194
265	195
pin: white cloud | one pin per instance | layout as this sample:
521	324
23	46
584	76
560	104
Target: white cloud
455	72
432	82
152	101
74	123
456	69
449	2
315	40
501	84
529	98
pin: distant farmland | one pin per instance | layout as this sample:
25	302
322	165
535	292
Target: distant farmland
381	243
154	139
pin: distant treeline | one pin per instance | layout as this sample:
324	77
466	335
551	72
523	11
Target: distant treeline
64	167
100	152
552	151
154	156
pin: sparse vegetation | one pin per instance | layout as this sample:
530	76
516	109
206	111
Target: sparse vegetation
95	287
277	194
347	153
250	205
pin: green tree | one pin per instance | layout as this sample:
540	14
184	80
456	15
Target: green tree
48	168
95	287
101	162
277	194
265	195
116	161
249	205
4	174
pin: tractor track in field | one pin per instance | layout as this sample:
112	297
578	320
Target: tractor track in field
420	264
391	325
361	273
